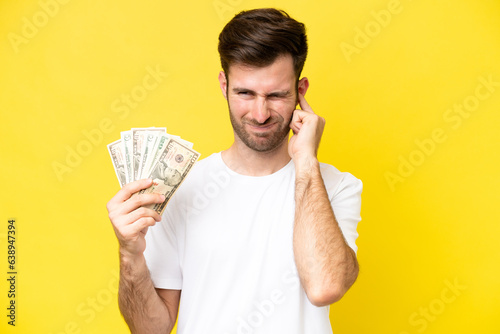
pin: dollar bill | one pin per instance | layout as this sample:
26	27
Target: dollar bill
126	137
154	154
116	152
172	167
151	137
182	141
140	136
185	143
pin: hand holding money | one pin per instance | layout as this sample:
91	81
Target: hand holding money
155	154
131	219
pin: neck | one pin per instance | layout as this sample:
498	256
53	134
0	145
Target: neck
243	160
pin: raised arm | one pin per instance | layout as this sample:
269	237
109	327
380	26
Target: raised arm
145	309
327	266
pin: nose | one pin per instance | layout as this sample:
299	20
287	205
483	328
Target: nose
260	112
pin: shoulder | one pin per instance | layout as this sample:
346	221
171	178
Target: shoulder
337	182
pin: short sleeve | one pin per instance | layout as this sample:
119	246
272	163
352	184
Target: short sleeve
162	254
346	204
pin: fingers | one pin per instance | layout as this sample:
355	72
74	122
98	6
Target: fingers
303	104
140	211
136	221
137	201
297	121
131	237
131	216
300	114
308	126
130	188
127	207
134	209
143	223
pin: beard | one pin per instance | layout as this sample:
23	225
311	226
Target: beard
261	141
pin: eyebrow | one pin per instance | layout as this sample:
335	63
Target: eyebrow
282	93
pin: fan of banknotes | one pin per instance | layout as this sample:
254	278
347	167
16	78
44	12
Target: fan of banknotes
153	153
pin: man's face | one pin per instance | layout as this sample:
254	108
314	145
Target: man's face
172	176
261	102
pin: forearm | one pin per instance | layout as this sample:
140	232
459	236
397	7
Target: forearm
141	306
327	266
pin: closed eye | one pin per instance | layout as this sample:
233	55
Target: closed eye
279	94
245	93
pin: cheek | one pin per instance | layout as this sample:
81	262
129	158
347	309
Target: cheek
284	108
281	105
239	106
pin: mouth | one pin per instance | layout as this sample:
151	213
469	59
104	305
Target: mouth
261	128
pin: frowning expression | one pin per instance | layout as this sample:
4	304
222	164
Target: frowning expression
261	102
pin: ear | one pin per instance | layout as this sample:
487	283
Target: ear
223	83
303	86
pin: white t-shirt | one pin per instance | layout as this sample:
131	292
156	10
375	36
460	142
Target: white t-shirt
225	240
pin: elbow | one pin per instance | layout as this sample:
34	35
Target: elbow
322	294
325	296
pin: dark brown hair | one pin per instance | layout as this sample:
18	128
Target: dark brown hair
257	37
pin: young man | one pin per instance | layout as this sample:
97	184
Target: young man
260	238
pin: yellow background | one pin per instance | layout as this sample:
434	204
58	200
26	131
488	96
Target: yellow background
435	225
